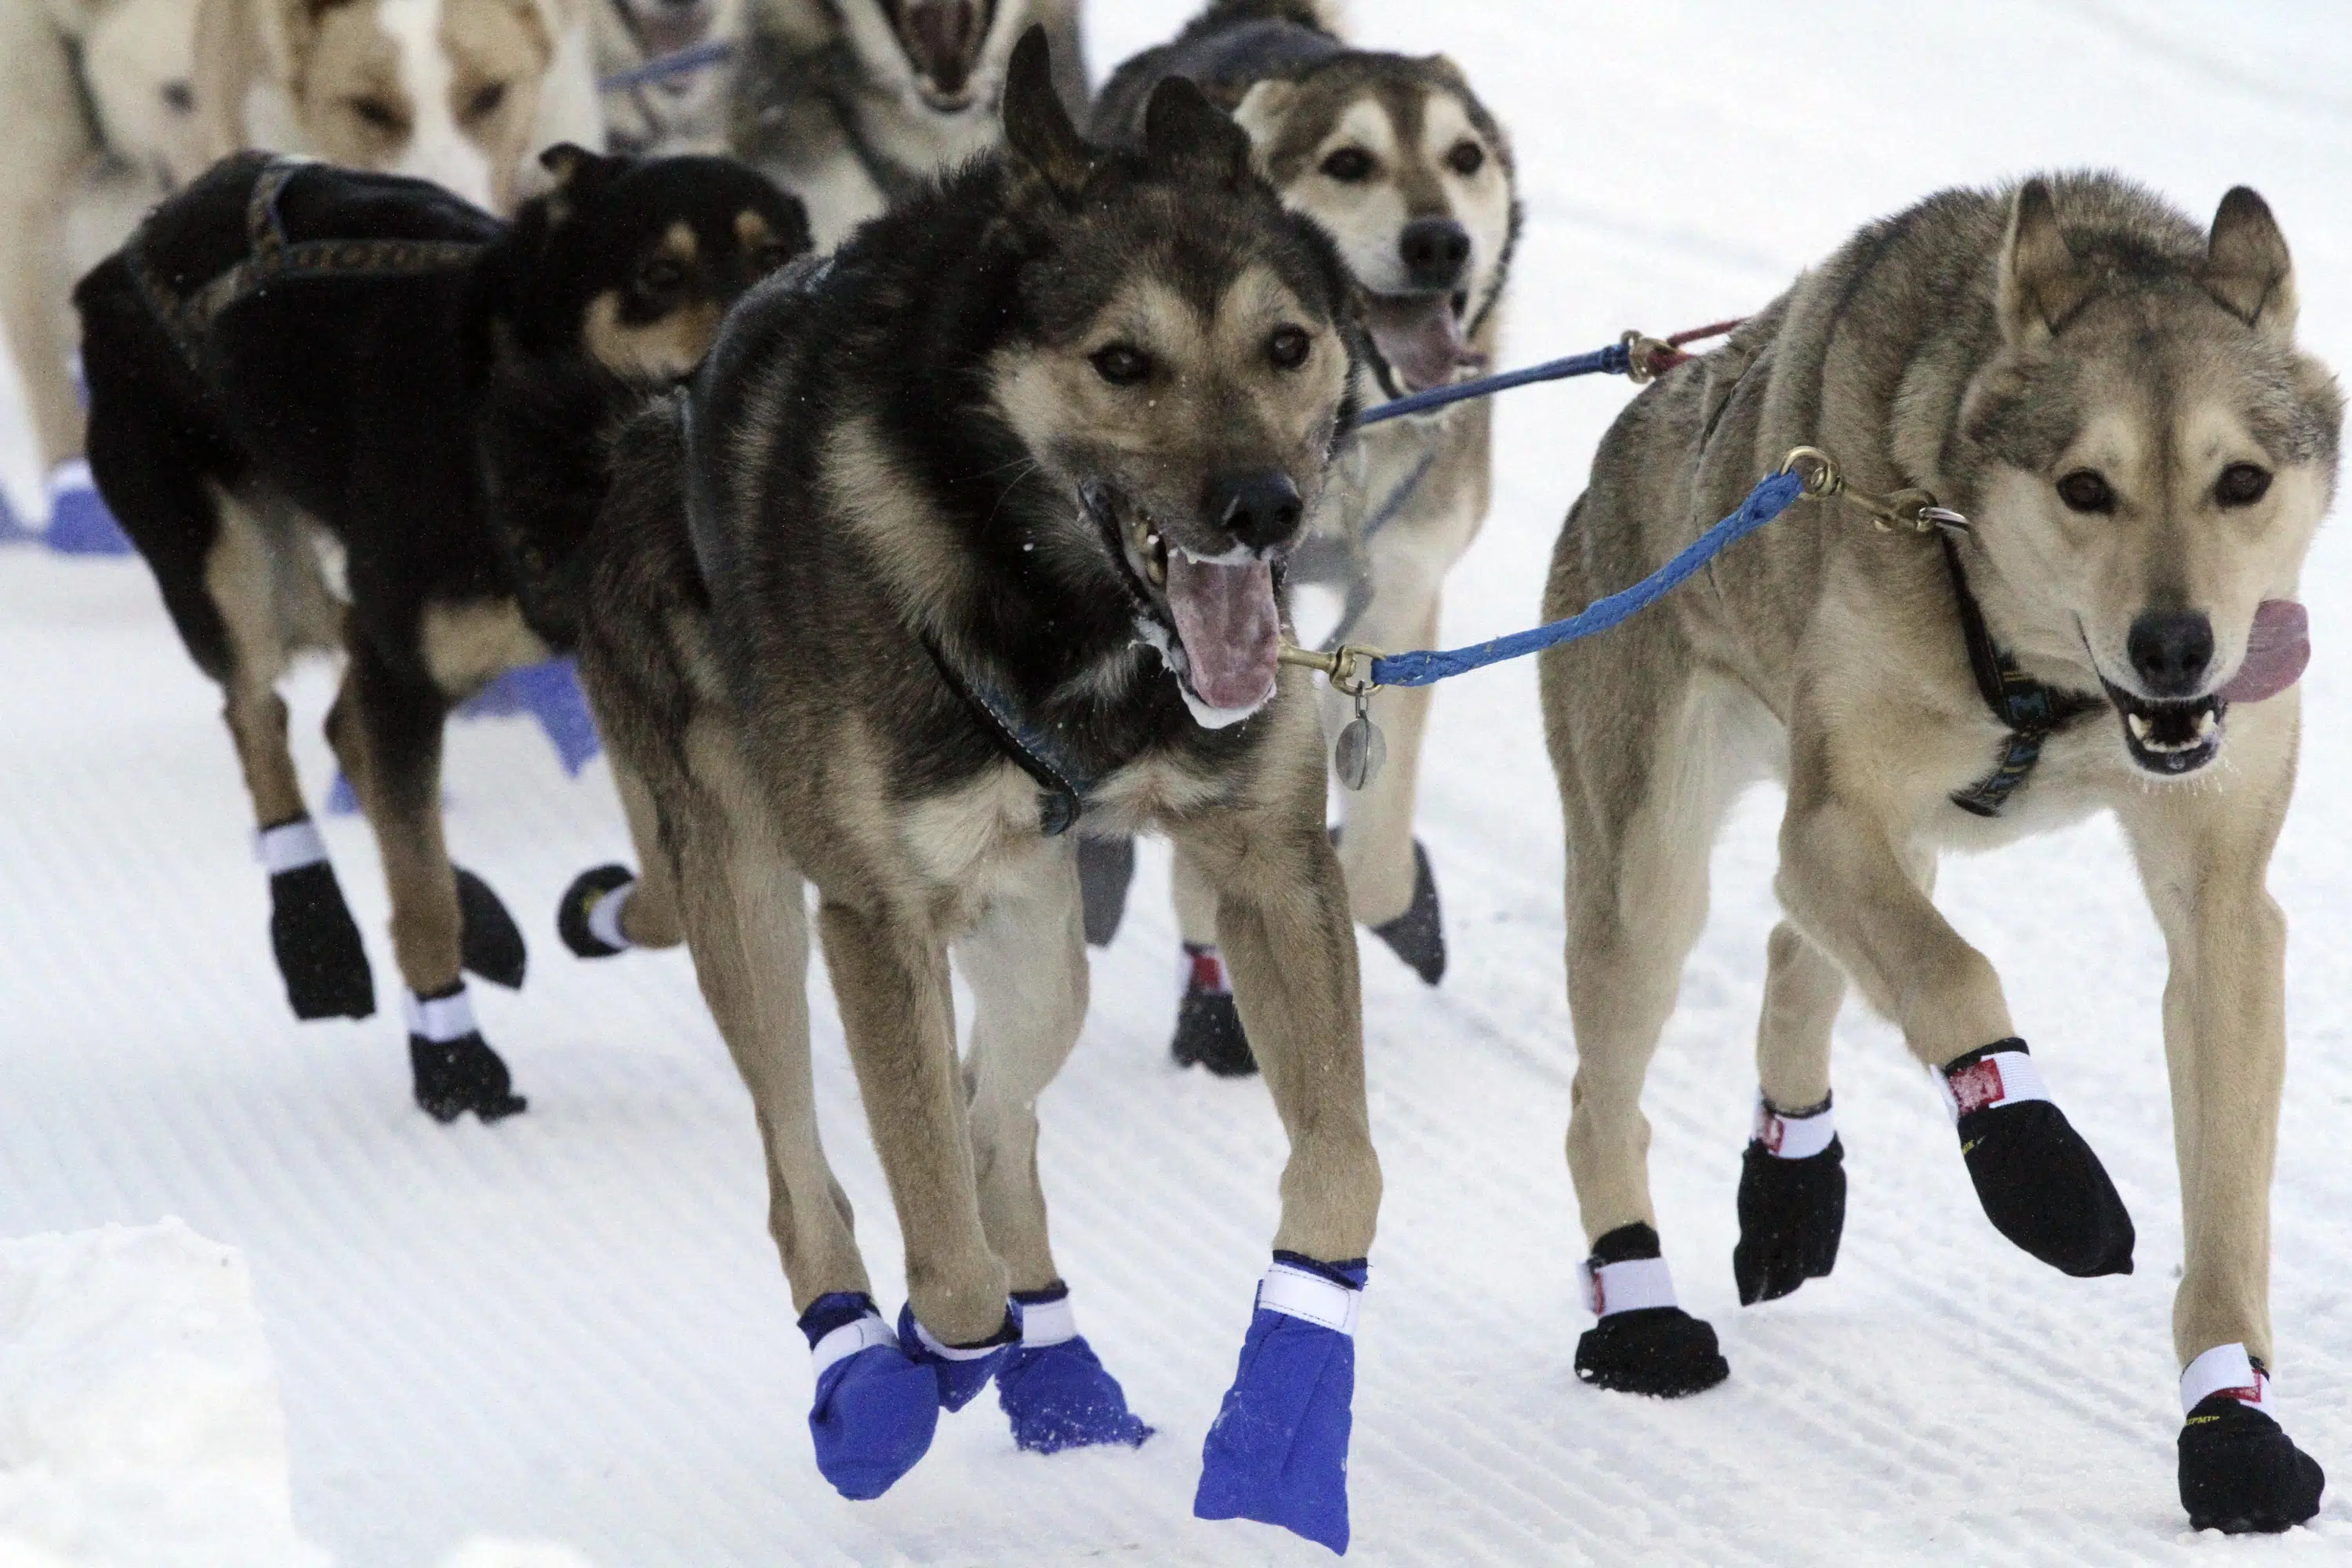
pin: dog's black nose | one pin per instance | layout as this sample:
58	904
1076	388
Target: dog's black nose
2170	650
1258	510
1436	250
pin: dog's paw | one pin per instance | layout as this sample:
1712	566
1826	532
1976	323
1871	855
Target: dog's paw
80	524
1054	1389
1644	1343
318	946
2240	1473
1278	1450
2039	1183
1208	1026
492	945
1791	1206
589	918
1105	867
961	1371
876	1409
1418	935
453	1077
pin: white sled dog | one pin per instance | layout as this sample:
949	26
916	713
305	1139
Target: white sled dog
2134	456
1399	161
854	105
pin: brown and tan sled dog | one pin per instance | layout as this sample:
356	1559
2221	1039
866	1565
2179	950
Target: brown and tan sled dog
967	535
2134	455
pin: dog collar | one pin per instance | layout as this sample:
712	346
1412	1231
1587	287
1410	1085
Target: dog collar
2032	712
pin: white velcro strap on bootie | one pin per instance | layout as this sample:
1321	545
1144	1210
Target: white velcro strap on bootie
605	916
849	1339
1047	1324
945	1352
2226	1368
1626	1286
2004	1078
289	846
1792	1137
70	476
1303	1294
441	1019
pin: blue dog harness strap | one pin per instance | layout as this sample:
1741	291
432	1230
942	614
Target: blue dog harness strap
1765	502
678	62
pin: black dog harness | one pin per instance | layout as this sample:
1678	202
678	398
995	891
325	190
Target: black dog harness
2032	712
273	258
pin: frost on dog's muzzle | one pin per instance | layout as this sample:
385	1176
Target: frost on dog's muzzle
1216	622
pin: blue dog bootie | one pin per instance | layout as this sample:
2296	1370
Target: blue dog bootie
79	523
962	1370
1052	1388
1278	1451
876	1410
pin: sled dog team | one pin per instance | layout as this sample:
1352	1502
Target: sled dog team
926	571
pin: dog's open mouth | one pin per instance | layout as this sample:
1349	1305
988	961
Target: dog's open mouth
1214	620
1420	337
2169	737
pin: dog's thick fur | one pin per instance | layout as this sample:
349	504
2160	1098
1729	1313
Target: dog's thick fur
1989	348
398	465
465	93
858	104
1399	161
927	447
101	119
685	113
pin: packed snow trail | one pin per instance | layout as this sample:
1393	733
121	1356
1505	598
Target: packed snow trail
572	1326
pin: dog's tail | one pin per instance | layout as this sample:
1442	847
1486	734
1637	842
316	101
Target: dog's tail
1316	16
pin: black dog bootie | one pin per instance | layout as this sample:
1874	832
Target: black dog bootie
1792	1202
1644	1343
1208	1026
311	931
456	1071
492	944
1105	867
589	918
2239	1474
2040	1184
1418	935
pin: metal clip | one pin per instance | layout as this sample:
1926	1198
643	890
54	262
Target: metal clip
1912	509
1348	667
1640	349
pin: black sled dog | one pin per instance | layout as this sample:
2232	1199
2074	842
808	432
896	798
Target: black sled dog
971	537
349	411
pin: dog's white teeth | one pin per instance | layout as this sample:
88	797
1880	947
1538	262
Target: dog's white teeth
2209	724
2140	726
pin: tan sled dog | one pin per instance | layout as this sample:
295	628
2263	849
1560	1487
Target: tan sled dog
968	537
2114	400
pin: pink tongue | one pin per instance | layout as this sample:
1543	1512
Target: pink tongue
1418	335
1231	629
2276	650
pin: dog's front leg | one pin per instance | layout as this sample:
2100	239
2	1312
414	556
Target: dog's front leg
1278	1450
2204	855
1855	886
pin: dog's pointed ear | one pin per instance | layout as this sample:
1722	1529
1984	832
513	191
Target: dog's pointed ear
2041	280
1261	109
2247	267
1181	129
565	161
1037	125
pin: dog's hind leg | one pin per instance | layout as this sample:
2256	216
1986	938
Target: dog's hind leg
1793	1174
1278	1450
1209	1031
1027	968
2204	857
385	728
610	909
1389	884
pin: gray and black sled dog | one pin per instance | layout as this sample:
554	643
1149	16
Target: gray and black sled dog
966	538
2113	400
856	105
658	114
1399	161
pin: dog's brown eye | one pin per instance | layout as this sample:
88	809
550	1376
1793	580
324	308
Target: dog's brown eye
1467	158
379	115
1348	164
1289	347
2084	491
660	276
179	97
2242	484
1121	365
486	103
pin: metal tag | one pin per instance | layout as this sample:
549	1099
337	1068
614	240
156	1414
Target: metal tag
1361	752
